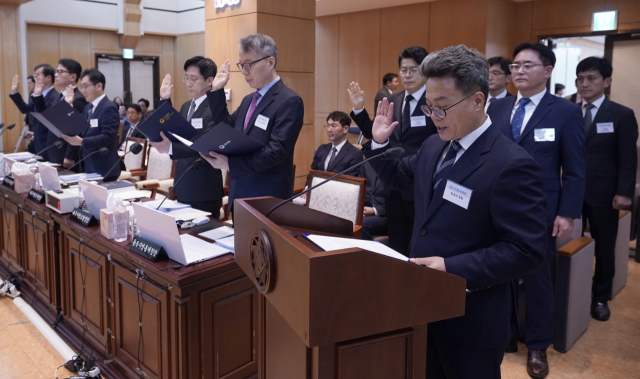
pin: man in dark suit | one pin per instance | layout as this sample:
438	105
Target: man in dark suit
414	128
102	115
611	132
44	76
272	115
339	154
67	74
201	187
374	222
499	77
130	127
389	85
550	129
144	105
470	180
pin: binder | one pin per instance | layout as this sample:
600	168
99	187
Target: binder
166	119
224	139
62	119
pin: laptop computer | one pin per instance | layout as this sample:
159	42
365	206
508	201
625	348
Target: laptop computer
49	177
95	197
161	228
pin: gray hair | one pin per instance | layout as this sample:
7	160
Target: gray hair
259	43
467	66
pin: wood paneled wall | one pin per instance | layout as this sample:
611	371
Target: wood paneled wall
187	46
9	66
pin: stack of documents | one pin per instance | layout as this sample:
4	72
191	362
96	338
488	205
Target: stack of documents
181	211
218	233
336	243
73	178
167	206
226	242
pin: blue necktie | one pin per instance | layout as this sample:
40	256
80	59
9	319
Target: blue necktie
518	119
447	163
89	111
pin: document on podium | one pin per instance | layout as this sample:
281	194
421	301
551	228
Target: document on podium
166	119
327	243
62	119
225	140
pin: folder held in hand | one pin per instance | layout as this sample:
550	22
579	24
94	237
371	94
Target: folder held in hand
61	119
223	139
166	119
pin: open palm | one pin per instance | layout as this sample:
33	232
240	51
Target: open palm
383	123
166	89
222	77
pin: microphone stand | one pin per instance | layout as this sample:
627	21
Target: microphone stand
78	162
120	159
197	161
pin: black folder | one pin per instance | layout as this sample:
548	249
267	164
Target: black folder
166	119
226	140
61	119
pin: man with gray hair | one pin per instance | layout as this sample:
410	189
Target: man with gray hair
480	210
272	115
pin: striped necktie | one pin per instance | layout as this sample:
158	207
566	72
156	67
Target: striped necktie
447	164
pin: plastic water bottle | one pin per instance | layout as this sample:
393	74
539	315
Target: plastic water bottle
111	201
120	225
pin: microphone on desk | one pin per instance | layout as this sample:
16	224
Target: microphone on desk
196	165
389	154
135	148
102	151
8	128
58	145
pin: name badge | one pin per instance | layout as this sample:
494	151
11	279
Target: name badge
93	122
418	121
544	135
605	127
262	122
196	123
457	194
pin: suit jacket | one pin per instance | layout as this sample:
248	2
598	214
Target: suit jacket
205	182
374	195
504	227
40	131
410	139
134	134
103	135
563	156
384	92
268	172
348	156
611	158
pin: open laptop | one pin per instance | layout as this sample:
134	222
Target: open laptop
95	197
49	177
161	228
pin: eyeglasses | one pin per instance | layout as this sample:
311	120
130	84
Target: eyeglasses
497	73
413	71
333	126
38	75
85	86
589	79
60	72
247	66
187	79
526	66
440	112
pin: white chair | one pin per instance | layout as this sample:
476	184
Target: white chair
160	171
135	164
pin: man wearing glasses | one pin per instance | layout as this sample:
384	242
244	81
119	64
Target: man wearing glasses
202	187
551	130
414	127
272	114
499	77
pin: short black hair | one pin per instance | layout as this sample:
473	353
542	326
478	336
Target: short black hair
206	66
559	87
134	106
503	62
145	101
545	53
31	77
95	76
72	66
341	117
416	53
602	65
388	78
47	70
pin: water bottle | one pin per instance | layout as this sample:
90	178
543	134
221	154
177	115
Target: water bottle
120	224
111	201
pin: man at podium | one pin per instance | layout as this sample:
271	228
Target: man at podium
480	210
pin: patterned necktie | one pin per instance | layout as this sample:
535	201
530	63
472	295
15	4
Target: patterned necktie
518	119
192	109
447	163
406	113
60	98
252	107
333	156
89	111
588	118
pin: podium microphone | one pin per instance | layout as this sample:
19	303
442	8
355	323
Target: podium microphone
8	128
102	151
391	153
135	148
58	145
196	165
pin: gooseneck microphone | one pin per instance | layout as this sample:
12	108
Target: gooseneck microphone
8	128
196	164
58	145
102	151
391	153
135	148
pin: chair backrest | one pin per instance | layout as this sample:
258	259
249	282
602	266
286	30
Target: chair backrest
342	197
160	166
133	161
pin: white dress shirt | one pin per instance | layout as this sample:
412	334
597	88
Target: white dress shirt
529	108
597	104
198	102
263	91
95	103
337	147
412	104
500	96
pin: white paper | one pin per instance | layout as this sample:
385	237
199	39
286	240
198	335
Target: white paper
187	214
227	242
208	250
218	233
183	140
262	122
327	243
457	194
132	194
168	205
93	122
418	121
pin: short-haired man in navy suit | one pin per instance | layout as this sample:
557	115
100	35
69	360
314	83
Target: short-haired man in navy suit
339	154
551	130
499	77
611	132
102	114
480	211
272	114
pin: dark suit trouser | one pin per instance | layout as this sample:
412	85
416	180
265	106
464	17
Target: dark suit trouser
603	225
373	226
446	360
207	206
400	214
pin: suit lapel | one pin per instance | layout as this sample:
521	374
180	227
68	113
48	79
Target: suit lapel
341	154
604	114
505	117
541	110
397	115
433	157
267	99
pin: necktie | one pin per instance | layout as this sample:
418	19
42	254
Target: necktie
192	109
60	98
588	118
333	156
447	163
406	113
89	111
252	107
518	119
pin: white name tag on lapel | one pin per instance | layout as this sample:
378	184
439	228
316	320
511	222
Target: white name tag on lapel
457	194
605	127
196	123
544	135
262	122
93	122
418	121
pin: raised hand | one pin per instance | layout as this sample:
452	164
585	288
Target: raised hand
15	83
166	89
69	95
356	95
39	87
222	77
383	124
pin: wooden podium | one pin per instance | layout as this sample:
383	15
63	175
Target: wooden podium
346	314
